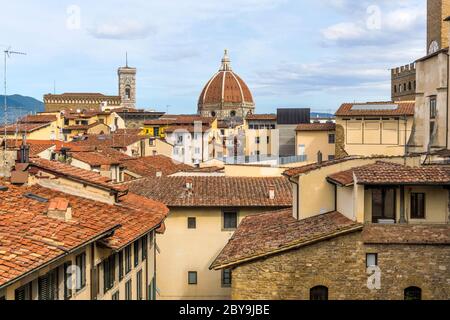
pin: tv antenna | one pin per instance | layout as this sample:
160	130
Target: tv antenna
7	54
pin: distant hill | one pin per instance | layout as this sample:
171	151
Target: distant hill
321	115
19	106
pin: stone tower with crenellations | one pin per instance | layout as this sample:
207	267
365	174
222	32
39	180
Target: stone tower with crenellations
437	29
403	79
127	86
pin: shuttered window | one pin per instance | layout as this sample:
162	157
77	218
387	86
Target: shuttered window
128	293
136	254
81	265
67	280
139	285
48	286
144	247
127	259
109	267
120	265
24	292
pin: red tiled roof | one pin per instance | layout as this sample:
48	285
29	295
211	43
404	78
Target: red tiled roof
293	172
212	191
405	108
38	118
316	127
36	146
388	173
23	127
94	158
71	172
273	232
29	238
406	234
266	117
149	166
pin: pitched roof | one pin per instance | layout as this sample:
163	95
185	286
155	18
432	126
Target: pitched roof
213	191
36	146
94	159
400	108
293	172
388	173
23	127
29	238
149	166
316	127
38	118
71	172
273	232
406	234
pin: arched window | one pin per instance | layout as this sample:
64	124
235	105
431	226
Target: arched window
127	92
409	86
318	293
233	113
413	293
395	88
404	87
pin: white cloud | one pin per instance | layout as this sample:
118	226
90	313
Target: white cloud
343	31
124	30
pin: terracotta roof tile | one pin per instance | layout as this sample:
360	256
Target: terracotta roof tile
272	232
403	108
210	191
23	127
38	118
316	127
388	173
149	166
29	238
71	172
94	159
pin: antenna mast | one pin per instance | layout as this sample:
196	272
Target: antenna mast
7	54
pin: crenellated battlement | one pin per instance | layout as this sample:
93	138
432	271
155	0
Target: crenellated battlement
403	70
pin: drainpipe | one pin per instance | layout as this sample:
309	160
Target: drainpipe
402	205
446	119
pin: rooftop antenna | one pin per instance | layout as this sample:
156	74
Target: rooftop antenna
7	53
126	58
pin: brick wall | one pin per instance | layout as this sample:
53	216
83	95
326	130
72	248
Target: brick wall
340	265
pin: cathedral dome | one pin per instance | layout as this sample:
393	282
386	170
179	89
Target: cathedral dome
226	94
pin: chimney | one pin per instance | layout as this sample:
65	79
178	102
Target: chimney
60	209
189	183
24	152
319	157
272	192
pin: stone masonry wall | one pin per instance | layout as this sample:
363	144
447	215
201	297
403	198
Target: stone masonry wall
340	264
340	142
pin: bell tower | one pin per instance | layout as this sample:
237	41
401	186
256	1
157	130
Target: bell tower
437	29
127	85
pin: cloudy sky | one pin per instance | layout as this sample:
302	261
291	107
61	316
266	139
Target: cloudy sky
309	53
